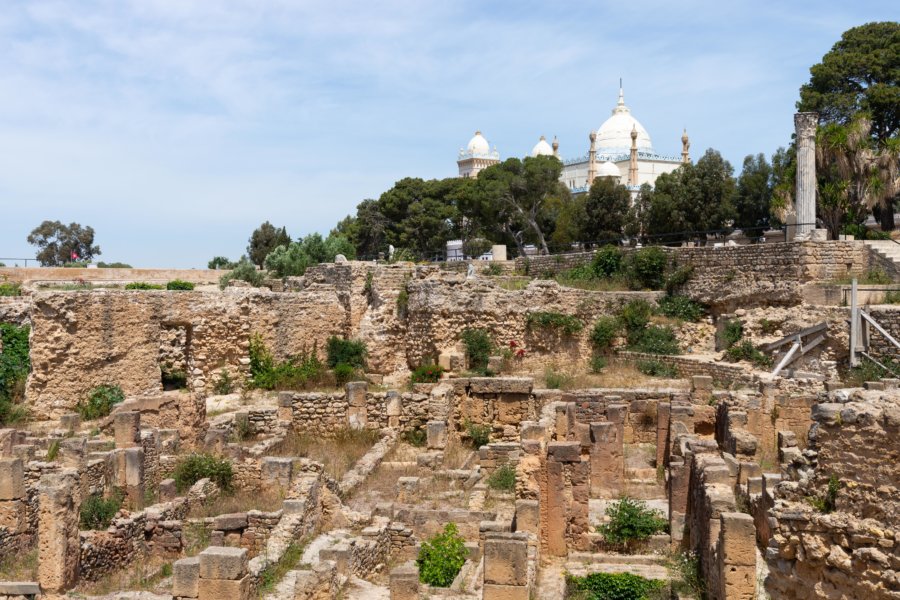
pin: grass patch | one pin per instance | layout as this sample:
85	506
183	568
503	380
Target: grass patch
567	324
503	478
276	571
612	586
98	512
556	380
20	566
194	467
100	402
338	452
267	499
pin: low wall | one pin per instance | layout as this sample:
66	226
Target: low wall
723	374
49	275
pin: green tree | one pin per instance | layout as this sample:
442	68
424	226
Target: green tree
58	243
754	194
220	262
856	91
568	214
606	210
263	240
370	230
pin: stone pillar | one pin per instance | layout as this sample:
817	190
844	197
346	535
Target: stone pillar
528	516
186	578
737	556
662	432
13	514
679	487
564	515
506	567
405	582
223	574
436	435
134	475
357	413
127	426
59	548
805	204
607	460
394	409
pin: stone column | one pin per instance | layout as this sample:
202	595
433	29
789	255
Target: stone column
59	549
662	432
13	514
564	520
357	413
127	426
607	460
506	567
737	556
805	127
223	574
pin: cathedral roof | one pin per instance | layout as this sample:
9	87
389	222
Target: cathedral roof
614	136
608	169
542	148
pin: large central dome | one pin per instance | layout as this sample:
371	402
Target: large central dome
614	136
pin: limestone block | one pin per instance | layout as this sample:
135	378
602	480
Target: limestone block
70	421
12	479
506	559
127	426
494	591
230	522
221	563
531	431
452	361
356	394
186	577
167	490
405	582
25	589
357	417
219	589
437	435
615	413
394	405
527	516
702	383
340	554
276	470
13	516
59	549
564	451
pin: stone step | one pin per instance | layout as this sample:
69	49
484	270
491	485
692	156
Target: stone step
591	558
643	473
645	489
646	571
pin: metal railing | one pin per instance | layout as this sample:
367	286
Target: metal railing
25	260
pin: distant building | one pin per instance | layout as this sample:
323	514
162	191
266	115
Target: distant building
476	156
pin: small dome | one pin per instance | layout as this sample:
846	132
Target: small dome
608	169
478	145
542	148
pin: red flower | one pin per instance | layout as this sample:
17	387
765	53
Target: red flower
520	352
513	344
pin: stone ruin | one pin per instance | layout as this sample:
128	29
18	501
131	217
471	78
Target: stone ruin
781	487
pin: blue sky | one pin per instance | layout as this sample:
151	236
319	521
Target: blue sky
174	128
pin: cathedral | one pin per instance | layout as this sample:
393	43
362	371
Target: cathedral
621	149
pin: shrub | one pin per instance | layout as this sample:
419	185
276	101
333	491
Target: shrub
224	384
100	402
179	285
687	578
97	512
876	276
503	478
604	333
297	372
478	348
613	586
656	340
402	303
241	429
635	316
631	521
348	352
52	451
568	324
194	467
680	307
429	373
732	332
607	261
828	502
678	278
746	351
647	268
655	368
142	285
579	273
10	289
479	435
493	270
14	367
598	363
244	270
442	557
113	265
343	373
172	378
416	437
555	380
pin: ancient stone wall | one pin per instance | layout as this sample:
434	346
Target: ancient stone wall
37	275
889	318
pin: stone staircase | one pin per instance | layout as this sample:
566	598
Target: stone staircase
887	250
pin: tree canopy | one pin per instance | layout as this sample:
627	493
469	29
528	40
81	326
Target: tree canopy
263	240
58	243
606	211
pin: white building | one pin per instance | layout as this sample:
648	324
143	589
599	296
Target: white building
476	156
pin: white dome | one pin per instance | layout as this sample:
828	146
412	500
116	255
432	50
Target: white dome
542	148
614	136
608	169
478	145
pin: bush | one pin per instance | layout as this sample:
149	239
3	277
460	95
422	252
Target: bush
191	469
224	384
402	303
478	348
297	372
416	437
479	435
179	285
142	285
655	368
442	557
14	367
100	402
631	521
97	512
113	265
173	379
647	268
828	502
503	478
568	324
746	351
10	289
613	586
244	270
607	261
732	332
347	352
635	316
343	373
555	380
656	340
604	333
429	373
680	307
687	578
678	278
598	363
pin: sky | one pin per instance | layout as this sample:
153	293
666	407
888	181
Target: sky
174	128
